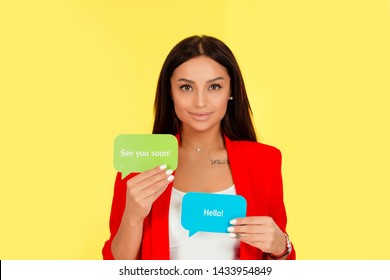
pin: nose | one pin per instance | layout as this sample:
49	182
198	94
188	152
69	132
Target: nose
200	99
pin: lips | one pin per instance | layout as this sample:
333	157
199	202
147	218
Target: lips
200	116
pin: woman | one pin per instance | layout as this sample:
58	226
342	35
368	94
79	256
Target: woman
201	98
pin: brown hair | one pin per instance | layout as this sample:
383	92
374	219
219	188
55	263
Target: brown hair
237	122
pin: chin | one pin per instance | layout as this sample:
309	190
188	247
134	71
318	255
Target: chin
201	127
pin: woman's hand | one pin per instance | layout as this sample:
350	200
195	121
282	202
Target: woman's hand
143	190
260	232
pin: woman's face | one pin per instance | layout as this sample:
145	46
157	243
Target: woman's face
200	91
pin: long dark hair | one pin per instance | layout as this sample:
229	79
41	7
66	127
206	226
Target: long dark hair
237	122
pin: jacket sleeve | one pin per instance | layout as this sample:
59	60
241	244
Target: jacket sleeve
117	209
278	210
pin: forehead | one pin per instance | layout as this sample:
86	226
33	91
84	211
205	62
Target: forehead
200	68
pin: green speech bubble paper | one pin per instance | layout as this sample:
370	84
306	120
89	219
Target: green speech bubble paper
140	152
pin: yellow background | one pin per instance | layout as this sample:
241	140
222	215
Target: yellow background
75	74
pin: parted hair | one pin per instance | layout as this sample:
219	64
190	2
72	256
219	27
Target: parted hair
237	122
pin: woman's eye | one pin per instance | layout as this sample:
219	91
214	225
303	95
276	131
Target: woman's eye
186	88
215	87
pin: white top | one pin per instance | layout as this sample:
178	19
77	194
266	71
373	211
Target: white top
201	245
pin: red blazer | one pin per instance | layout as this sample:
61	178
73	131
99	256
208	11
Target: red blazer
256	171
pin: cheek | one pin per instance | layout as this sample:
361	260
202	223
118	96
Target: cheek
179	106
224	108
180	101
221	105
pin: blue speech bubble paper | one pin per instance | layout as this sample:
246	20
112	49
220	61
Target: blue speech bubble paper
210	212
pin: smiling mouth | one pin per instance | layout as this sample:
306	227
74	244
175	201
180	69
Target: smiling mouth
200	116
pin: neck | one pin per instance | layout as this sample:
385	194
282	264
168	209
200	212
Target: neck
202	141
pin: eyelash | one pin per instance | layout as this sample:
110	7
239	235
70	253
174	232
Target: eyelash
186	88
213	87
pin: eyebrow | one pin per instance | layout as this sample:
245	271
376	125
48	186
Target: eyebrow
192	82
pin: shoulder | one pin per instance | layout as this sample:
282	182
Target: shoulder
256	148
250	153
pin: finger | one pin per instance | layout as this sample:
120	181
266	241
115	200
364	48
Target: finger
259	229
252	237
152	198
250	243
149	186
257	244
164	177
237	235
148	173
157	187
252	220
148	181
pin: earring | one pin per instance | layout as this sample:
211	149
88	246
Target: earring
231	98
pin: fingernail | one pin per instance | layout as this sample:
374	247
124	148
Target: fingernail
170	178
233	222
163	166
230	229
169	172
232	235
